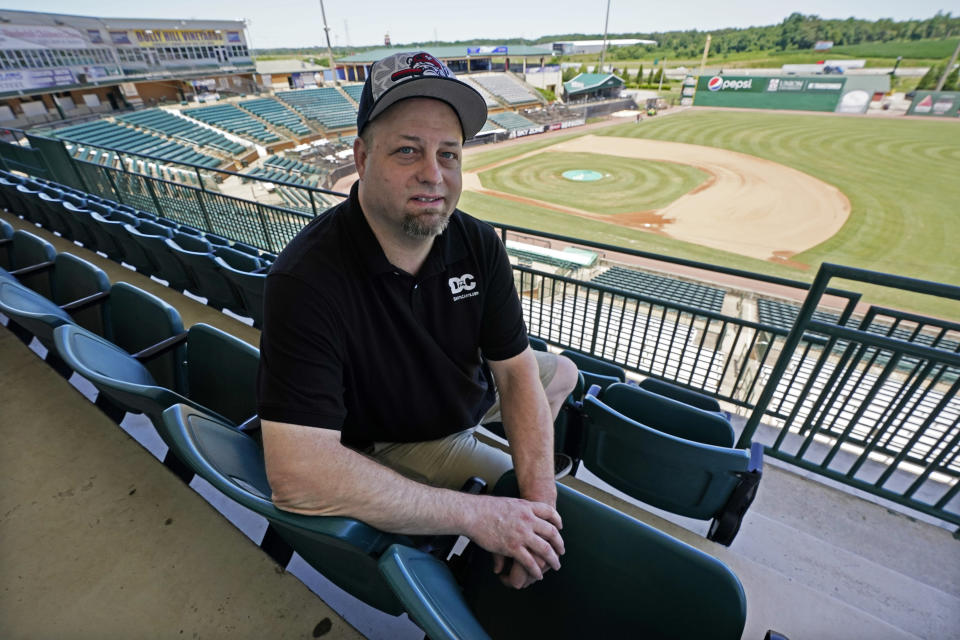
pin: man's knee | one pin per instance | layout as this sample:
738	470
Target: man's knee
563	382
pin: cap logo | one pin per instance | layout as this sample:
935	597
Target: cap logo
421	64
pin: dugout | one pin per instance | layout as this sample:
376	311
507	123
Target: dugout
592	86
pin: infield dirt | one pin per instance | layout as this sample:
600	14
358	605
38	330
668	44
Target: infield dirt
750	206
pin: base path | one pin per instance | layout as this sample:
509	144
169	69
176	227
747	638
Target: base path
750	206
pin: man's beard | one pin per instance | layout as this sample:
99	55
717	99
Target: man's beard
415	228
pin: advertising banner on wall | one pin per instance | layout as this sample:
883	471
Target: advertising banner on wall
35	79
818	93
942	104
40	37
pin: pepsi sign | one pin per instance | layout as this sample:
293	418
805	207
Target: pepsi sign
717	83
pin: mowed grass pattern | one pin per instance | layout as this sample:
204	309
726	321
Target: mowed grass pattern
629	184
900	176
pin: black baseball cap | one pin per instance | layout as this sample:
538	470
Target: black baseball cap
419	75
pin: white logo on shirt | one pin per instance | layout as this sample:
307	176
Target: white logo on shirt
466	282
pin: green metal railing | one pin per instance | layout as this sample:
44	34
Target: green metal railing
873	405
876	411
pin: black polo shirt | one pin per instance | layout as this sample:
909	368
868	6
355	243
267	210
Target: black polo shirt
351	342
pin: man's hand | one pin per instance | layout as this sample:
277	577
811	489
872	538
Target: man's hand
526	532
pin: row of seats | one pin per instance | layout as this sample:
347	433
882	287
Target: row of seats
507	88
510	120
235	120
275	174
170	125
230	275
289	164
665	445
487	97
324	105
276	114
663	288
355	91
197	387
103	133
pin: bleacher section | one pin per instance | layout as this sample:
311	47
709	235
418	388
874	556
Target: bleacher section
170	125
354	91
663	288
274	174
510	120
276	114
108	134
325	106
235	120
490	100
289	164
507	88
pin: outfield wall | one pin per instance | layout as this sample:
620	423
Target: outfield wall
804	93
944	104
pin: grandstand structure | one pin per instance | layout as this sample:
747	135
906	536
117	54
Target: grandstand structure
59	66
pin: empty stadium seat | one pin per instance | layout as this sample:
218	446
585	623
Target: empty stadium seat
620	579
670	455
344	550
30	259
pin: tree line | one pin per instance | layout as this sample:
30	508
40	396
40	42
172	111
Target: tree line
796	32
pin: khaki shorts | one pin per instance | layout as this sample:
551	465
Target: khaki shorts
449	462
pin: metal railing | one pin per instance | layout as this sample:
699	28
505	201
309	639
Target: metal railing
873	405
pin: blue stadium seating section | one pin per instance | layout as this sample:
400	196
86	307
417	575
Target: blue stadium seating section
289	164
507	88
354	91
489	99
114	136
160	121
664	288
276	114
236	121
510	120
324	105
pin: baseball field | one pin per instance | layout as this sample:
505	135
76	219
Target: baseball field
768	192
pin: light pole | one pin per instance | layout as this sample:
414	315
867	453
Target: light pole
326	29
603	49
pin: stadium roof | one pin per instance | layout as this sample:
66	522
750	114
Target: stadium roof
448	52
591	82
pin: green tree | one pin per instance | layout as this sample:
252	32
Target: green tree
931	77
953	80
639	78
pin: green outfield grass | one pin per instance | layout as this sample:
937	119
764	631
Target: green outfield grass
628	185
900	176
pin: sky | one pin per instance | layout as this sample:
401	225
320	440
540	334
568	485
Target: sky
298	23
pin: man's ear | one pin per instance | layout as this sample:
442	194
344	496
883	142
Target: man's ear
360	155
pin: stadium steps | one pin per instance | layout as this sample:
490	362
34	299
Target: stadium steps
282	133
353	95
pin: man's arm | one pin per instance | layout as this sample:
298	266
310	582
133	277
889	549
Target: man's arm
527	424
311	473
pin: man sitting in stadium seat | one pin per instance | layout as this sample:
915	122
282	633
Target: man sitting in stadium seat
387	321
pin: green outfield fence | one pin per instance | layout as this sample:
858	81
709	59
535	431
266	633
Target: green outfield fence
870	401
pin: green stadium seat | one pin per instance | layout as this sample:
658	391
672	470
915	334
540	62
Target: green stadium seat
670	455
620	579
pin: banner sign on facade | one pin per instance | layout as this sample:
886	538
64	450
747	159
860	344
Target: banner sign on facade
119	37
155	37
472	51
35	79
40	37
95	36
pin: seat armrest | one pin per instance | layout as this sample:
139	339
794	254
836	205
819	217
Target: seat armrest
430	594
34	268
160	348
86	302
726	523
